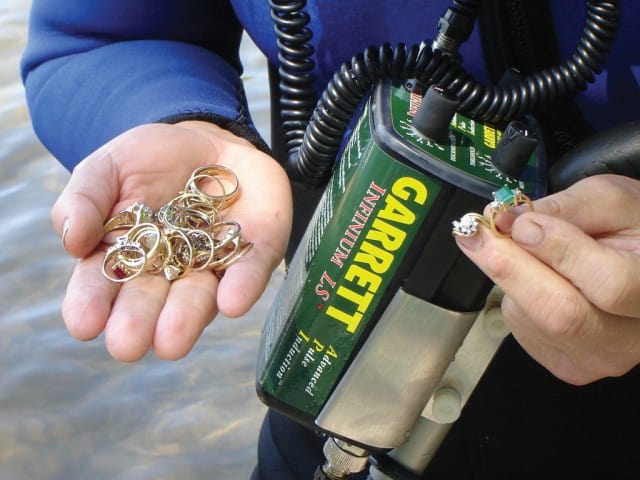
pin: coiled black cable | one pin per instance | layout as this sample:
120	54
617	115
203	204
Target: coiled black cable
297	97
499	104
315	158
312	158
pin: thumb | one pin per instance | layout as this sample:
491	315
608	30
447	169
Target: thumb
79	212
598	204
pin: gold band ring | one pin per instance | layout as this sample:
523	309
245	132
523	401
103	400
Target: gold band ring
224	177
129	217
503	200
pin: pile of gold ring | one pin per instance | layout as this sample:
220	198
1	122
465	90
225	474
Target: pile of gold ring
185	235
503	199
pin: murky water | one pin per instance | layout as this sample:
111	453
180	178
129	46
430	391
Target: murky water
67	410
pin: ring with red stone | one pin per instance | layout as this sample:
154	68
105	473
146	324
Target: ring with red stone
124	260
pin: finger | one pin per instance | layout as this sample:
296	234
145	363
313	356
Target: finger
244	282
87	302
267	224
609	278
553	321
540	347
190	307
589	204
609	351
131	325
557	355
557	306
81	208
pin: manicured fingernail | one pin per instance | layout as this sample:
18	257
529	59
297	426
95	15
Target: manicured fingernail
65	230
469	242
520	209
527	232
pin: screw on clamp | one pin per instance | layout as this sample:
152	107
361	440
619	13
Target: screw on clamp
342	459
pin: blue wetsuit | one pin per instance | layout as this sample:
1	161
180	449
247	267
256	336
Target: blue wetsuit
95	69
104	68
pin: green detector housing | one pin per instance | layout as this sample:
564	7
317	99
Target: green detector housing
378	296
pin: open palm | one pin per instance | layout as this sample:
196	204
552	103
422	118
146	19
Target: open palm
151	164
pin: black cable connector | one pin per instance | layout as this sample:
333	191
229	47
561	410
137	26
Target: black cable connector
454	28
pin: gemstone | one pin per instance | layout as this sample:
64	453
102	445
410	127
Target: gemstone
143	213
171	272
166	214
120	272
467	226
504	195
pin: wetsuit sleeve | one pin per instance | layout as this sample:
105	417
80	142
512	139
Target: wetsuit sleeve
93	70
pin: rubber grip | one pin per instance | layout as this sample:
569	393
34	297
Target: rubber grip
615	150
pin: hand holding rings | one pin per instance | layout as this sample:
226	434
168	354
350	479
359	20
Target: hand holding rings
185	235
503	200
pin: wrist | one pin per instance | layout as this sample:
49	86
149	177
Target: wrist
239	129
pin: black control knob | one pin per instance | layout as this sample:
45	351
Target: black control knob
513	151
434	114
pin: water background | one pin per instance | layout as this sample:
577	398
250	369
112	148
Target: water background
67	409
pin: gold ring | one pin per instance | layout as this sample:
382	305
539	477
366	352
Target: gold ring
148	236
191	202
224	177
230	247
181	261
188	233
203	248
504	199
129	217
124	260
162	258
468	224
186	218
